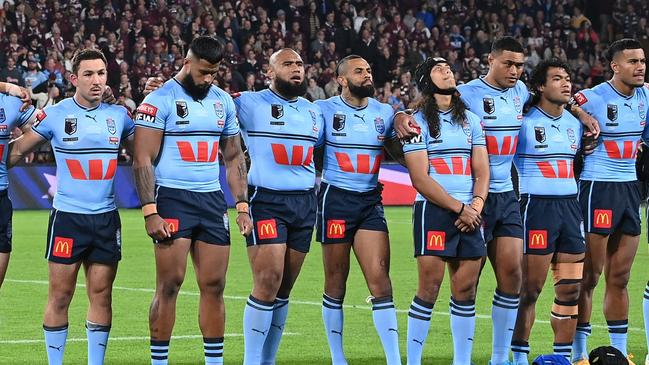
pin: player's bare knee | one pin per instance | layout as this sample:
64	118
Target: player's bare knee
213	287
618	280
168	289
269	280
60	300
530	294
428	292
380	288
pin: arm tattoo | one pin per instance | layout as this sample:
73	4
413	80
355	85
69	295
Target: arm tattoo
145	183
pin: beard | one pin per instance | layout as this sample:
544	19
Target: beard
361	91
195	91
289	90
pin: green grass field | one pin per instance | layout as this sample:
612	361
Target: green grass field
24	292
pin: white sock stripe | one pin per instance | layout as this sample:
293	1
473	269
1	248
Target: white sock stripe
506	300
421	309
163	348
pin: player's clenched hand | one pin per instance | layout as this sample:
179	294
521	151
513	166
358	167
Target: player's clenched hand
245	223
468	220
591	123
589	142
108	97
152	83
405	126
157	228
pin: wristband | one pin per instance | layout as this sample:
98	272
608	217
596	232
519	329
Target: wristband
242	206
149	209
150	215
461	210
479	197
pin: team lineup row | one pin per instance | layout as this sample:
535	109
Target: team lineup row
458	144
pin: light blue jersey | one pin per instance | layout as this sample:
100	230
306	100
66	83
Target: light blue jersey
354	142
10	118
188	157
622	120
449	152
280	135
546	150
86	145
501	112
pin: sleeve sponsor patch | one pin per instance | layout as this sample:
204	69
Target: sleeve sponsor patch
580	99
39	117
146	113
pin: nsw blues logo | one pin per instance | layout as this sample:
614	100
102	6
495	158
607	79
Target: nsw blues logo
110	124
218	109
379	125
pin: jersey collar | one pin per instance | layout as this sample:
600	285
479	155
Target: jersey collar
627	97
281	97
352	106
83	107
482	78
553	118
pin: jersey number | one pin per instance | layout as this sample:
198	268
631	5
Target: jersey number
613	149
297	155
362	163
507	148
564	169
95	169
457	166
203	154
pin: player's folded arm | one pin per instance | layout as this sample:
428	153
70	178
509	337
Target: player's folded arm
23	145
418	165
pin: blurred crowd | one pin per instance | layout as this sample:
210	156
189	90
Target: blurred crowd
150	38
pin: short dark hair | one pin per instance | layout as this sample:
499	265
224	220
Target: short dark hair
207	48
620	45
85	55
539	75
345	59
506	43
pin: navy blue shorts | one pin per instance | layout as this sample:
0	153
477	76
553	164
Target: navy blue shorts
501	216
197	216
282	217
552	224
6	210
73	237
342	212
435	234
609	206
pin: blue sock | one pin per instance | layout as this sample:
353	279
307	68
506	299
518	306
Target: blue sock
97	342
503	315
159	352
332	316
419	317
520	349
617	332
213	348
385	322
462	329
562	349
645	312
580	342
257	317
55	338
271	345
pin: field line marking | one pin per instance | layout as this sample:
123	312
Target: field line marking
302	302
127	338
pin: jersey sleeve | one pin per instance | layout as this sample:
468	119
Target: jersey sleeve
44	125
418	142
231	127
242	104
523	92
14	103
153	112
477	133
587	100
129	125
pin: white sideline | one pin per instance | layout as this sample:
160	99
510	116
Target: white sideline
128	338
302	302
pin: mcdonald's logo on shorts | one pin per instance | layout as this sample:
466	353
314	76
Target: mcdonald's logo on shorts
436	241
537	239
335	228
62	247
174	224
602	218
267	229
